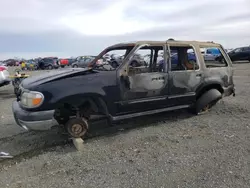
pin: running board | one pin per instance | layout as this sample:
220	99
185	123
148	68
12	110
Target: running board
128	116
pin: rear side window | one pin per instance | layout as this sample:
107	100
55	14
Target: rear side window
246	49
183	58
214	60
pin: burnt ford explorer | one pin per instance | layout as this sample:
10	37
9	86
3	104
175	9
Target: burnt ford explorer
176	76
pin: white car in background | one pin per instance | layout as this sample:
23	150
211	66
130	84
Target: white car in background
210	54
4	76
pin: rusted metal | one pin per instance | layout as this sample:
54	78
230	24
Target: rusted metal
77	127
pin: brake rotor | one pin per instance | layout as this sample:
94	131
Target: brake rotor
77	127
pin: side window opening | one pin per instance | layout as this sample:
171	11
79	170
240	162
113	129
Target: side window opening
215	59
147	59
113	57
183	58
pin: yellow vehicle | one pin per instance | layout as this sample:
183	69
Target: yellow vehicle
28	65
23	65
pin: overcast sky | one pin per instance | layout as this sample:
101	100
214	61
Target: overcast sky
81	27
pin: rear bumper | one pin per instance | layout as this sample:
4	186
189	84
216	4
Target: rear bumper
37	121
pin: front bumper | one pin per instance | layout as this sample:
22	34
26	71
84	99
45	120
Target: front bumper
37	121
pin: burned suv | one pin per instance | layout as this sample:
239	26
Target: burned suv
72	98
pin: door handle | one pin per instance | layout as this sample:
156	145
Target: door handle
198	75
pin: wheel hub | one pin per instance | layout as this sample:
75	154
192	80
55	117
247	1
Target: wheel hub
77	127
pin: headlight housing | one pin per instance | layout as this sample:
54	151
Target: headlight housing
31	99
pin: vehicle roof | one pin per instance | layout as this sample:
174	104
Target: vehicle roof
201	43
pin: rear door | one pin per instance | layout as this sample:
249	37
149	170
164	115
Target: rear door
185	74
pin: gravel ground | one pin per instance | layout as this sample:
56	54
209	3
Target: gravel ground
172	149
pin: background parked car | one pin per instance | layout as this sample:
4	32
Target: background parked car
4	76
66	62
30	64
107	57
10	62
240	54
210	54
114	60
3	64
48	63
137	60
82	61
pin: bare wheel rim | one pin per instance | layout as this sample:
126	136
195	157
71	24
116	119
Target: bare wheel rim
77	129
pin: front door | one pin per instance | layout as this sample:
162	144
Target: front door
145	86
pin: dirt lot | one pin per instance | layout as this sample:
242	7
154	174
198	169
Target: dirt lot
166	150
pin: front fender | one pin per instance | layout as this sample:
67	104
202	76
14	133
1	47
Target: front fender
97	101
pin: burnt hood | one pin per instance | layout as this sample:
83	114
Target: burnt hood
49	76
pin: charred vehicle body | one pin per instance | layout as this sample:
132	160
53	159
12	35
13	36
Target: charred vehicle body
126	91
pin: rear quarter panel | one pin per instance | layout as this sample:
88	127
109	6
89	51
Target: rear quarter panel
219	75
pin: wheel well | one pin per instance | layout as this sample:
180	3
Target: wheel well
208	87
85	108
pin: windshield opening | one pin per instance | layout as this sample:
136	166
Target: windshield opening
111	58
